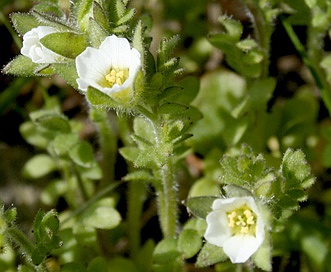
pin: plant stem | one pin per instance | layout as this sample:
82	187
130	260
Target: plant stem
167	190
135	197
108	143
92	200
312	62
262	32
25	246
168	201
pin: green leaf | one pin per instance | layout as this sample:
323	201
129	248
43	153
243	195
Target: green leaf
23	66
82	154
97	264
200	206
45	228
120	264
67	71
166	256
232	27
101	215
63	143
49	8
68	44
204	187
138	41
294	167
86	236
210	255
127	16
262	257
23	22
10	215
145	256
97	98
53	191
84	12
189	243
144	129
97	34
48	20
35	135
51	121
165	49
39	166
141	175
100	16
140	158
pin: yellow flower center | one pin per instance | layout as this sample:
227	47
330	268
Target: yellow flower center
117	76
242	221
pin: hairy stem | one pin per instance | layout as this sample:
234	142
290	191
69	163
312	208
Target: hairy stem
168	201
25	246
167	190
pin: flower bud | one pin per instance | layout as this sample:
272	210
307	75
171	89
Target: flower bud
35	50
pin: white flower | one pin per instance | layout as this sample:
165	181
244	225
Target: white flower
33	48
111	68
235	224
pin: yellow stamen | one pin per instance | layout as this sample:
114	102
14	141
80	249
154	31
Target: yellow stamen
242	221
117	76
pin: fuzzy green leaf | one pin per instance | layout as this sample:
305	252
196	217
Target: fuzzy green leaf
97	98
200	206
140	175
49	8
144	129
189	243
23	66
97	34
127	16
68	72
23	22
210	255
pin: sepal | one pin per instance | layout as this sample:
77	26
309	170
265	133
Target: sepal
23	66
67	44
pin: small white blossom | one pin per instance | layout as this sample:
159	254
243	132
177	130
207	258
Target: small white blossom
111	68
236	225
33	48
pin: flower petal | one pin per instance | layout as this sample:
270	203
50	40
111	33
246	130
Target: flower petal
33	49
94	65
217	231
240	247
118	51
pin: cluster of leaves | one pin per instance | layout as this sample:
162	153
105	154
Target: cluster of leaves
45	232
